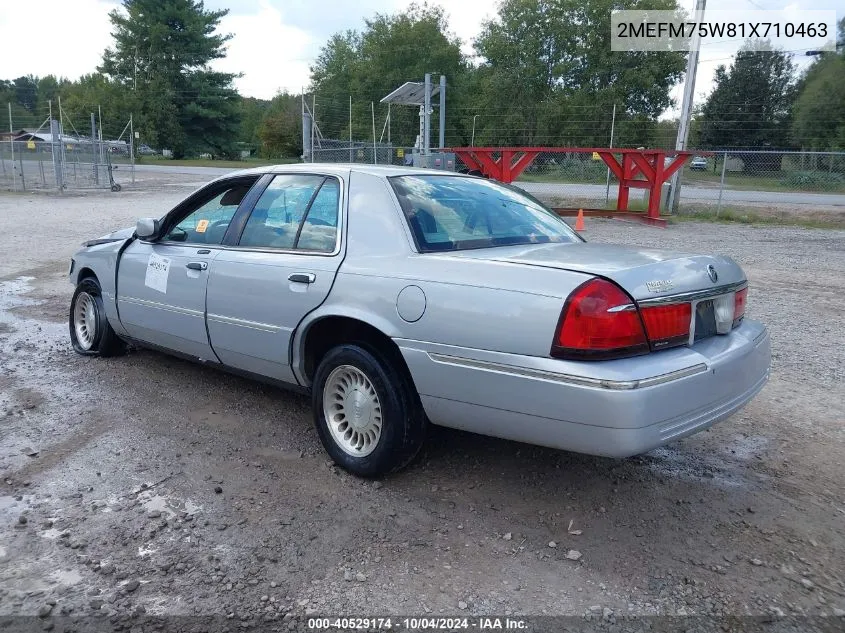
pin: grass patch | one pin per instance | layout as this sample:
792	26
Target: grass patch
783	217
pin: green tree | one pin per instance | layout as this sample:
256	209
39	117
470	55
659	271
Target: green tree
391	50
20	95
751	103
819	121
26	91
49	88
162	50
553	78
280	130
252	113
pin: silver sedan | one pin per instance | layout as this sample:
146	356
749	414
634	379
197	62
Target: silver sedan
400	298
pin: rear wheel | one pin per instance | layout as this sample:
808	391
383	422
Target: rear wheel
366	412
90	332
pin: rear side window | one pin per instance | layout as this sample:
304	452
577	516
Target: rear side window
456	213
296	211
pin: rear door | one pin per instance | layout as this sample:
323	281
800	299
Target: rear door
161	285
276	271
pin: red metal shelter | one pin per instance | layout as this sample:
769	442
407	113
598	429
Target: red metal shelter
639	168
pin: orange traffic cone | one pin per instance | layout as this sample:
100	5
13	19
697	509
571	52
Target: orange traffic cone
579	222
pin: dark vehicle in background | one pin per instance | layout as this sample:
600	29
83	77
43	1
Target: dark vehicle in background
146	150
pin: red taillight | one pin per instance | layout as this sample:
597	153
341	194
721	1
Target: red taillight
740	299
667	325
599	321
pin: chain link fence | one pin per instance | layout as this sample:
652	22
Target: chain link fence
67	165
739	179
736	179
366	153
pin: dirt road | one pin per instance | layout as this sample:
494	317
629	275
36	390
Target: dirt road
146	484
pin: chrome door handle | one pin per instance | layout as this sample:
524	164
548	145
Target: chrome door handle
302	278
197	265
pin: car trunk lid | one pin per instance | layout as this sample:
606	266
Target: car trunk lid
643	273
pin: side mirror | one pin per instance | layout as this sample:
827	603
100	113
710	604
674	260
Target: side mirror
147	228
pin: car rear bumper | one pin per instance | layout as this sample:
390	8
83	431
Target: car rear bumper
613	408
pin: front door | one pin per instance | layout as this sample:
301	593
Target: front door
161	285
279	269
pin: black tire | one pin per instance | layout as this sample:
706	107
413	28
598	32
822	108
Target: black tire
103	341
403	420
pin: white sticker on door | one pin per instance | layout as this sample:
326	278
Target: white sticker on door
157	271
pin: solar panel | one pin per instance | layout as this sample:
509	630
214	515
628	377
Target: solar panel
411	93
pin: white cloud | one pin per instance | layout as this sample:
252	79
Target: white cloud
271	54
53	37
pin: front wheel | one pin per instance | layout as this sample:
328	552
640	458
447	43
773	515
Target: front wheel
366	411
90	332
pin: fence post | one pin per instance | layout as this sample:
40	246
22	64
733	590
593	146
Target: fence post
373	111
132	147
94	149
722	183
12	146
350	128
23	180
56	151
607	180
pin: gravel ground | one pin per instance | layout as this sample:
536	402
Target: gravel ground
149	485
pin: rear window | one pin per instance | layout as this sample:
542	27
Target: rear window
449	213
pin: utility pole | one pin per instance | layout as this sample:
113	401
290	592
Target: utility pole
686	106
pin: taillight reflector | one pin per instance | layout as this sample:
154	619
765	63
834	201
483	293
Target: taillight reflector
599	321
740	299
667	325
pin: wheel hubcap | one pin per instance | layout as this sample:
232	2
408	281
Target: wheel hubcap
84	320
352	410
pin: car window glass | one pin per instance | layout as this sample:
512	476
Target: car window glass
207	224
455	213
279	213
319	231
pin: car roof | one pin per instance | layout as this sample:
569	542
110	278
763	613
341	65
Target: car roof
344	169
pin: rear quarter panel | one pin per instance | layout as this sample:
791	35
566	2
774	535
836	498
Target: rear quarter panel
469	304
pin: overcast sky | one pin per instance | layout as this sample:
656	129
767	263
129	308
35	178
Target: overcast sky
274	40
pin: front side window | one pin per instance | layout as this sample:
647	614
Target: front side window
455	213
296	211
208	221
